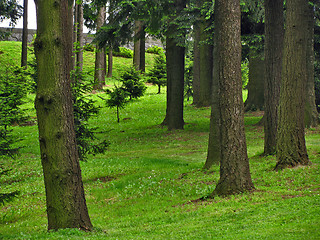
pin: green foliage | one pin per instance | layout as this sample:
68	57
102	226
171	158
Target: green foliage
155	50
188	80
118	99
123	52
85	108
245	73
11	10
158	73
89	47
132	83
6	197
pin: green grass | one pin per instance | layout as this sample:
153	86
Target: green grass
148	183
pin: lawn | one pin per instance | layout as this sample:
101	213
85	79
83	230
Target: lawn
149	183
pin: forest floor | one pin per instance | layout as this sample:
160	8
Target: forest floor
149	182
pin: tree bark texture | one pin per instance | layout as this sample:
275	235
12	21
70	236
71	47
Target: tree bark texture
311	113
274	37
235	175
255	99
139	53
175	74
66	204
110	62
24	52
291	146
99	74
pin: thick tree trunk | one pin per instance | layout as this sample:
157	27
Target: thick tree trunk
311	113
24	52
203	62
234	166
291	146
66	204
139	59
175	74
99	74
255	99
274	33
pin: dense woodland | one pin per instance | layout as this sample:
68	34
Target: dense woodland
221	117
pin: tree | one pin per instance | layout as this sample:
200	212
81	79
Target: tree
291	146
311	113
157	74
139	59
66	204
118	99
24	51
78	40
99	74
234	163
274	33
175	55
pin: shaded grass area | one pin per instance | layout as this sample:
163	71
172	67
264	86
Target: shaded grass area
149	182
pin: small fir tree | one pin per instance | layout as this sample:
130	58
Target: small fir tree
158	73
118	99
132	83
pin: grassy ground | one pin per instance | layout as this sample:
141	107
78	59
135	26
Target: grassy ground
148	183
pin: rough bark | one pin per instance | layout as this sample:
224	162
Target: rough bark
66	204
291	146
274	34
99	74
139	59
255	99
175	74
235	174
311	113
24	52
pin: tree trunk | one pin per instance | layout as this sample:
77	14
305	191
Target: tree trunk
255	99
139	60
291	146
99	74
175	74
311	113
79	35
196	64
24	52
66	204
274	33
235	175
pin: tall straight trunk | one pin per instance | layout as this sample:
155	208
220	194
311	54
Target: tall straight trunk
79	35
291	146
196	64
255	99
274	34
66	204
99	69
139	60
311	113
206	61
175	73
24	52
235	174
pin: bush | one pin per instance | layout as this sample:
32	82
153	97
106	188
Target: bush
118	99
132	84
123	52
88	47
158	74
155	50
